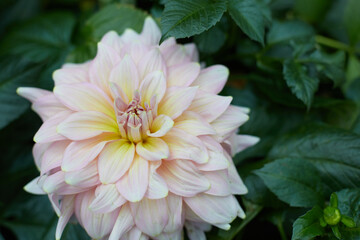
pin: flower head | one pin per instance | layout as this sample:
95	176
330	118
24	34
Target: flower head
136	143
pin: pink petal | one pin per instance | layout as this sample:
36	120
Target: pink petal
183	74
34	187
212	79
38	151
176	214
72	73
102	65
67	210
160	126
219	181
48	131
123	224
107	199
55	203
115	160
113	40
80	153
134	183
55	183
192	51
152	61
84	97
32	94
217	158
152	149
129	36
178	235
176	101
209	106
85	178
154	84
151	33
157	186
84	125
236	184
151	216
194	124
193	232
174	54
126	76
183	145
241	142
48	106
53	156
183	178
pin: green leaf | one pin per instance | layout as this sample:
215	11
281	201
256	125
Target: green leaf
352	21
15	72
352	71
333	151
248	16
308	226
301	84
117	17
286	31
311	10
349	205
44	38
185	18
293	181
211	40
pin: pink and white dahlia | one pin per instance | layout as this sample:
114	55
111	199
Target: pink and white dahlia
137	144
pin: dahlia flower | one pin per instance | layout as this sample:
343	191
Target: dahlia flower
136	143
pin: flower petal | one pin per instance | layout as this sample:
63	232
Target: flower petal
174	54
72	73
236	184
160	126
217	158
183	145
126	76
84	125
48	106
113	40
134	183
192	52
152	149
48	131
56	183
176	101
115	160
53	156
212	79
84	97
157	186
183	74
176	214
38	152
107	199
193	232
151	216
152	61
154	84
32	94
85	178
67	210
34	187
241	142
209	106
151	33
220	185
194	124
123	224
183	178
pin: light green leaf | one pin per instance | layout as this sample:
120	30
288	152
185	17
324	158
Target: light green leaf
286	31
308	226
301	84
293	181
185	18
334	152
248	16
352	21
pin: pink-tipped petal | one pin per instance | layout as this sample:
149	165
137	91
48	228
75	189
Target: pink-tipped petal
107	199
72	73
219	181
236	184
183	178
48	106
176	214
217	158
84	178
212	79
183	74
84	97
151	216
160	126
134	183
152	61
183	145
151	33
32	94
83	125
48	131
56	183
194	124
53	156
67	210
176	101
115	160
157	186
154	84
153	149
210	106
123	224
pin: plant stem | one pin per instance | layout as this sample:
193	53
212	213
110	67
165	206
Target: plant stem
281	231
333	43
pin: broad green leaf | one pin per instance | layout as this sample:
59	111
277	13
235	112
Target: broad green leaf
334	152
349	205
352	71
248	16
44	38
211	40
115	17
308	227
286	31
311	10
293	181
301	84
352	21
185	18
15	72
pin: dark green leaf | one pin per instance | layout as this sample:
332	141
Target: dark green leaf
334	152
248	16
185	18
352	20
308	226
294	181
352	71
211	40
285	31
311	10
301	84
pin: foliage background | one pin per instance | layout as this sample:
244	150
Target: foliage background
295	63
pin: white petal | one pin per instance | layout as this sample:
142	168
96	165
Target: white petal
151	33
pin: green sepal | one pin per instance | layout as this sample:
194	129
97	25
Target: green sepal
322	222
332	215
335	230
334	200
348	221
